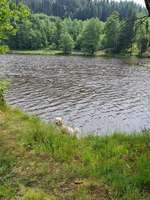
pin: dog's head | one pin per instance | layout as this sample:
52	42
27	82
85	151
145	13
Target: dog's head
59	121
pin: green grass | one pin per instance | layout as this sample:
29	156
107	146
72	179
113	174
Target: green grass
44	52
39	162
36	52
100	53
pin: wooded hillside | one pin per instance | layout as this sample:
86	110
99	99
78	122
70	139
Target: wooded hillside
84	9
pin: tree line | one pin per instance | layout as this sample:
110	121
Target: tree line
116	35
83	9
21	30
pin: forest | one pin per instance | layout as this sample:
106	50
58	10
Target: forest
83	9
115	35
108	26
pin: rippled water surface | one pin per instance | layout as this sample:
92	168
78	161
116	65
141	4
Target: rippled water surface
95	94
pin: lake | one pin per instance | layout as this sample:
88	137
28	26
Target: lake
98	95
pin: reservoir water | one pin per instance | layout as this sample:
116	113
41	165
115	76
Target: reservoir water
98	95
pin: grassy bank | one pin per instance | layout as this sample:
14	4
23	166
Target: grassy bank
75	53
36	52
43	52
38	162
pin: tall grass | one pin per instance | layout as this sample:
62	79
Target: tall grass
47	138
3	88
120	161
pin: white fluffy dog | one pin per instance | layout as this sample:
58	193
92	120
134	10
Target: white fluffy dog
66	129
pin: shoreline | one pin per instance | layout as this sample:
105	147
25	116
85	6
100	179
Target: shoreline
74	53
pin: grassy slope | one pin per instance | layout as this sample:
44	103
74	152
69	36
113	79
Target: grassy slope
38	162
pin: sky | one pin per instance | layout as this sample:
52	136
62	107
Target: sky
141	2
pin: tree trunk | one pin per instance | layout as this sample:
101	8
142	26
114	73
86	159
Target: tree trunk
147	3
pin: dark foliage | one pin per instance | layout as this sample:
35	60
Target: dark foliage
83	9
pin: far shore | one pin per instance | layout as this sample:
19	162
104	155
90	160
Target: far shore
76	53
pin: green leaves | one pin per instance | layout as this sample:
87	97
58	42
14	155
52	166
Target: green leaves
142	35
90	36
112	31
66	43
10	14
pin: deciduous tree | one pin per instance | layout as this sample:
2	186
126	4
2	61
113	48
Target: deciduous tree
112	31
90	36
66	43
10	14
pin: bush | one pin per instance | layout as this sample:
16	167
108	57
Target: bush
4	49
66	43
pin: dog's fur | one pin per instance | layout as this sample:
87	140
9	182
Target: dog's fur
66	129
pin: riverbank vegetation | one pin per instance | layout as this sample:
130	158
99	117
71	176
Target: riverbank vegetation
115	35
39	162
119	32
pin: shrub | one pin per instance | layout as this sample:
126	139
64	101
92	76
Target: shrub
4	49
66	43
